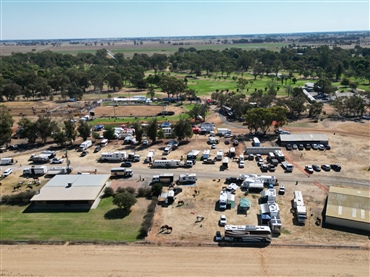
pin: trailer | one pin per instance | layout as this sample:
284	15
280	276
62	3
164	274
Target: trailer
166	163
113	156
7	161
187	178
256	142
260	150
225	162
42	158
164	178
232	152
222	131
150	157
264	179
206	154
299	207
220	155
279	155
35	170
58	170
133	157
192	155
51	154
86	144
252	185
121	171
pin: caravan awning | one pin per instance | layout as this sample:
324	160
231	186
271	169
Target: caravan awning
265	208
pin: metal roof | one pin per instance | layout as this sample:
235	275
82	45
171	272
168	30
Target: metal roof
83	187
349	204
303	137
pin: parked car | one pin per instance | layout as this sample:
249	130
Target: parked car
223	220
258	157
307	146
315	146
218	236
250	157
264	167
227	142
126	164
56	161
236	142
309	169
327	147
294	146
84	153
227	135
213	146
321	147
326	167
145	142
233	179
288	147
281	190
272	168
316	168
97	149
300	146
241	164
335	167
7	172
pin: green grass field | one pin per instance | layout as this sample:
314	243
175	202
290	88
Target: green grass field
71	226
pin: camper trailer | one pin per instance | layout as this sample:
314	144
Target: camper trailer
256	142
58	170
299	207
35	171
7	161
264	179
206	154
42	158
192	155
166	163
187	178
225	162
164	178
121	172
220	155
222	131
252	185
222	201
113	157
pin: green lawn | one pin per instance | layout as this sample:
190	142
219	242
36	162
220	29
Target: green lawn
71	226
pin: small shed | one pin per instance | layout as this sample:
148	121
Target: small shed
244	205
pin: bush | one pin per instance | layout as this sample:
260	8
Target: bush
22	198
148	219
131	190
144	192
108	191
120	190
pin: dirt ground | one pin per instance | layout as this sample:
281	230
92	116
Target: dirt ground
136	260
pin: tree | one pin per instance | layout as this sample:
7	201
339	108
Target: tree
172	86
152	130
109	133
28	129
59	137
6	124
315	109
138	131
114	81
124	200
45	127
84	130
70	130
157	189
183	129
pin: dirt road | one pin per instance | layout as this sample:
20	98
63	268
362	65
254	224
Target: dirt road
137	260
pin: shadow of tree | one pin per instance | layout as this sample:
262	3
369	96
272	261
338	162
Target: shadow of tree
116	214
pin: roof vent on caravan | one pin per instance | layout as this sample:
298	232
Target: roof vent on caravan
69	185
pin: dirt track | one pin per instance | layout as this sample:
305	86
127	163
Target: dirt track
136	260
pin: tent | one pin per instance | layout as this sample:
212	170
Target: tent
244	205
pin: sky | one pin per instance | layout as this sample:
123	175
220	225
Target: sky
61	19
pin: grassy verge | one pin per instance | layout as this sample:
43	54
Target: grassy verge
72	226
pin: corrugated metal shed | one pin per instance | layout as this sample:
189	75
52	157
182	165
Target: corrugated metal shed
347	206
72	188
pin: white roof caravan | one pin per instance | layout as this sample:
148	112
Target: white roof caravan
113	157
166	163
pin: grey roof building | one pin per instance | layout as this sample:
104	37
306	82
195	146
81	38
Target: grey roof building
347	207
71	191
285	139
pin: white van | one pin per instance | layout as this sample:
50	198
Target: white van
104	142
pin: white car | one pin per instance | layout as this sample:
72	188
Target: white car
241	164
309	169
56	161
213	146
223	220
145	142
7	172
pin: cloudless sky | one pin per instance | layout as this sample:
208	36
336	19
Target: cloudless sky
55	19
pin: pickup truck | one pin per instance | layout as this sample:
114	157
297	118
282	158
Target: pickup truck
209	161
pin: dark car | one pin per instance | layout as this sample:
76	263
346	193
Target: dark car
327	147
126	164
250	157
83	153
272	168
227	142
307	146
97	149
235	142
288	147
326	167
300	146
316	168
218	236
335	167
264	167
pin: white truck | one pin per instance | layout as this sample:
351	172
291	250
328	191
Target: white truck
86	144
150	157
35	170
113	156
299	207
220	155
7	161
222	202
192	155
288	167
252	185
187	178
